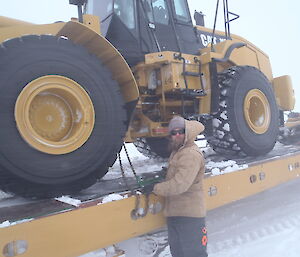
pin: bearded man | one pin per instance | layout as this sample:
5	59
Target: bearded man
183	191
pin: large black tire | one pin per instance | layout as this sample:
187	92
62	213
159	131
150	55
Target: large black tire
233	133
153	148
27	171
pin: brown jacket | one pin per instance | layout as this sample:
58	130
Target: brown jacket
183	188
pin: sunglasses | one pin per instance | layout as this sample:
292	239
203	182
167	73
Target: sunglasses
177	131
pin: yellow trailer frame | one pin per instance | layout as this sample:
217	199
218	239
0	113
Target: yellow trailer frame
93	225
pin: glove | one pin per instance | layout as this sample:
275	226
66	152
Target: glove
147	189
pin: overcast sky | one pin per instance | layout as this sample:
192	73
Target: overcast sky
272	25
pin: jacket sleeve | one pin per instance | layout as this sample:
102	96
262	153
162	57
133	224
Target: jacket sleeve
188	166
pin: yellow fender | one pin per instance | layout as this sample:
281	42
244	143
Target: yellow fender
82	35
239	51
110	57
242	52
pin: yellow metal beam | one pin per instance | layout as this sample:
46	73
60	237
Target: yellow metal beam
257	178
76	232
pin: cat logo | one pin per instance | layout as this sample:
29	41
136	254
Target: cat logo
207	39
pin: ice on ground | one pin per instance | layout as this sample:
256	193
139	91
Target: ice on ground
226	127
224	92
113	197
68	200
207	151
236	147
110	251
224	115
216	171
7	223
4	195
221	164
223	104
220	134
231	168
201	143
216	123
274	245
141	164
165	253
219	168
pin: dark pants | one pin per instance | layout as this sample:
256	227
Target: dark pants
187	236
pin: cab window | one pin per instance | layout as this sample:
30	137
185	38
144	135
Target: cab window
160	12
125	11
157	11
101	8
181	11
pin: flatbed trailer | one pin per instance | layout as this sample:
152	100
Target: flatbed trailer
52	227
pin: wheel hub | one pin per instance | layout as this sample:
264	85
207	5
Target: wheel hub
54	114
257	111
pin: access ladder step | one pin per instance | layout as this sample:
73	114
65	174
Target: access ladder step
193	92
192	74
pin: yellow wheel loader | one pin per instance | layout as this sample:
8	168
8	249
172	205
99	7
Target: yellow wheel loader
73	92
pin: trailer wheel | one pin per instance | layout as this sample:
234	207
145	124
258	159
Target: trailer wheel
153	148
247	122
62	117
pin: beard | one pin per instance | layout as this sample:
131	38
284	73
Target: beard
175	144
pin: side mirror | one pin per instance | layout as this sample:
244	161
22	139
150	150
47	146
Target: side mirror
77	2
199	18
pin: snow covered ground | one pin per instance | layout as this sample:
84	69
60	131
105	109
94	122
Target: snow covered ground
266	224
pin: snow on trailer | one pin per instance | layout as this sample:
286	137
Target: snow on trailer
53	227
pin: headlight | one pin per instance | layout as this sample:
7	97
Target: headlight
153	81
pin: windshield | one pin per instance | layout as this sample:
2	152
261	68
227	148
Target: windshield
101	8
104	9
157	11
181	10
125	11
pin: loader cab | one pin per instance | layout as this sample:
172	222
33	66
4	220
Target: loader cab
138	27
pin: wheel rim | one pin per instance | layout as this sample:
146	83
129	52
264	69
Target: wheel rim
257	111
54	114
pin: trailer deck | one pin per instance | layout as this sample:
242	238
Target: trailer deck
52	227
